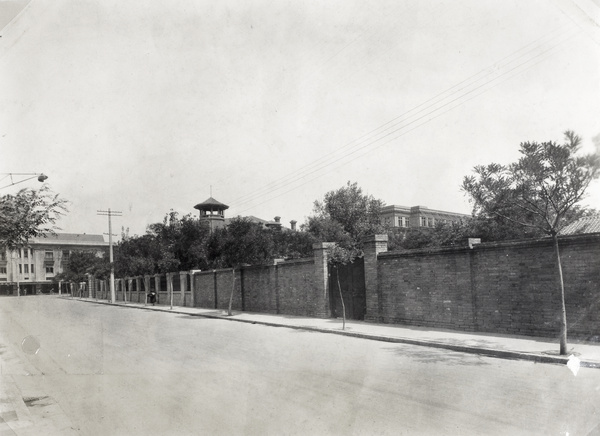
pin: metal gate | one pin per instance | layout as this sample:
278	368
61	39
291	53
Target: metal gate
352	283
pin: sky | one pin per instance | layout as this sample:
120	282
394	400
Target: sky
149	106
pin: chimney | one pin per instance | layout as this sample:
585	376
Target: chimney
277	218
293	224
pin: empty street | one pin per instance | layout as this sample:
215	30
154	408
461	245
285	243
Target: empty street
73	367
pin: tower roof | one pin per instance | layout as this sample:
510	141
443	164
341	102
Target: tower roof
209	204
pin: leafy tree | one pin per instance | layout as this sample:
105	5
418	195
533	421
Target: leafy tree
190	245
82	263
326	229
540	191
27	214
345	216
138	255
455	234
358	214
292	244
241	242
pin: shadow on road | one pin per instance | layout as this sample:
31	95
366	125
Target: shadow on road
436	355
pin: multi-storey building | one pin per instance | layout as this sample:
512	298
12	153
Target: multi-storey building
416	216
33	267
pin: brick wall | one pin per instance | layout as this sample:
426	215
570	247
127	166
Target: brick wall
296	290
496	287
285	288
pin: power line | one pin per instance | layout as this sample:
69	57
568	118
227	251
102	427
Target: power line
397	120
431	109
391	139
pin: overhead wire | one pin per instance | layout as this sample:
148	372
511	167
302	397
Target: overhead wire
428	104
391	139
379	133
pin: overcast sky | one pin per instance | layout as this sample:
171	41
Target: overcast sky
141	106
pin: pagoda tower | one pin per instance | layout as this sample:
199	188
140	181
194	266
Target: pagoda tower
213	212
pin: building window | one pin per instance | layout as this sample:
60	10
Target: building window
2	270
423	221
431	222
32	269
49	269
25	253
3	255
49	255
66	254
404	221
20	269
26	268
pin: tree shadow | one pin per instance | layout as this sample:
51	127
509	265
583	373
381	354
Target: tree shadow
427	355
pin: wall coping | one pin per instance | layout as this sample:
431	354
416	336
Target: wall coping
375	238
582	239
292	262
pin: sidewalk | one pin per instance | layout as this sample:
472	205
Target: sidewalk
541	350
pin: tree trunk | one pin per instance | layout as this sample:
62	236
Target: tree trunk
232	289
563	310
337	274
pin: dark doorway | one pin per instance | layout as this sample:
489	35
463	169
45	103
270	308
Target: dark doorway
352	283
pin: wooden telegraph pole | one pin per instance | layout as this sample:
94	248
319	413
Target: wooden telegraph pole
111	213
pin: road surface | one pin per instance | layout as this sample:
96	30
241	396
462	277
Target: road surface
72	367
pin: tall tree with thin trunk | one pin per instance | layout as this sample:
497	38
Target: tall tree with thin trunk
27	214
540	191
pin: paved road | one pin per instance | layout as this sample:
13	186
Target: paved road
103	370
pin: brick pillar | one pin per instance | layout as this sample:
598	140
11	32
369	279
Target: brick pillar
170	288
183	286
192	288
372	246
319	305
128	289
90	284
146	288
138	287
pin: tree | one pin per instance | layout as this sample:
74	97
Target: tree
82	263
455	234
190	245
540	191
27	214
137	256
345	216
241	242
292	244
358	214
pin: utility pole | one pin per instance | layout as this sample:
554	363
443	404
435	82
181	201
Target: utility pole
111	213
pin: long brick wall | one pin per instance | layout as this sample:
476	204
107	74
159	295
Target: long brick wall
285	288
495	287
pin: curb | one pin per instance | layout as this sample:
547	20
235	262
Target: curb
488	352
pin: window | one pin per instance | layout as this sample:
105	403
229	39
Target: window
49	255
20	269
25	253
66	254
3	255
49	269
2	270
404	221
26	268
423	221
32	269
431	222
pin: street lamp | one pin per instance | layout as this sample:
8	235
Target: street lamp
41	177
